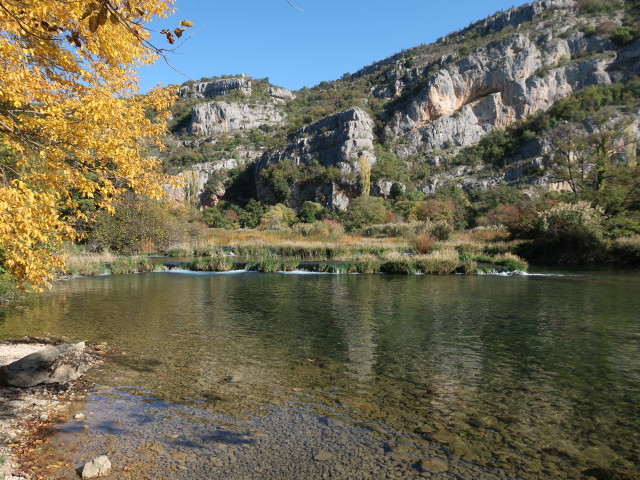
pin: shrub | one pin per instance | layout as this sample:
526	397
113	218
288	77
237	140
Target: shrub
364	211
597	6
436	209
563	231
278	217
625	250
623	35
441	230
310	212
624	224
139	224
252	214
424	243
576	224
215	217
500	215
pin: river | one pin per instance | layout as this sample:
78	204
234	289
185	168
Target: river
304	376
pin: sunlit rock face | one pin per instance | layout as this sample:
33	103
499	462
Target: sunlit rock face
495	86
217	88
338	141
215	118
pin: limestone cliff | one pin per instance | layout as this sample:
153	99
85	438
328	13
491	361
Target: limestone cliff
496	86
224	117
217	88
425	105
195	187
337	141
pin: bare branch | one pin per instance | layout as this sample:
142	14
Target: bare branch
293	6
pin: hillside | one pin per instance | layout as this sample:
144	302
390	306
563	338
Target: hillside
539	98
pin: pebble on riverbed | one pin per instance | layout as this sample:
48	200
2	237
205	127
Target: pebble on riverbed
96	468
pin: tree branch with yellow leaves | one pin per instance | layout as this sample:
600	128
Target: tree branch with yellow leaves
72	120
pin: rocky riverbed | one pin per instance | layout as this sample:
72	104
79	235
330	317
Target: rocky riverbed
27	414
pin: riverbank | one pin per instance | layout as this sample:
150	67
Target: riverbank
27	414
484	251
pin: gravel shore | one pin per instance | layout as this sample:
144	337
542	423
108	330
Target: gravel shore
25	411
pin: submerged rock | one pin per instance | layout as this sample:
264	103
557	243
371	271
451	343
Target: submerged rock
322	456
601	455
60	364
98	467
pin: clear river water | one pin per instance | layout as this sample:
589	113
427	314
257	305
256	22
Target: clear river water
305	376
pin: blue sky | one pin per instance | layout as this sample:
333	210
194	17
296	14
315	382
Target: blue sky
268	38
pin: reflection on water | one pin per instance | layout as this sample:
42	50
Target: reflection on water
353	376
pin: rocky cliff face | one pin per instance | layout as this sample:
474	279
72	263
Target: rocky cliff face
280	95
194	180
496	86
430	102
217	88
222	117
337	141
334	141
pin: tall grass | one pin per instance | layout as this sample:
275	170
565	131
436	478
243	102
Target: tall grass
126	265
403	266
215	263
86	264
441	262
511	262
271	265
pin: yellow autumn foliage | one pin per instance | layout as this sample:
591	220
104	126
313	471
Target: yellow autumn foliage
71	120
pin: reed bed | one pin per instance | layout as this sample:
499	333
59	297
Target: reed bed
136	264
272	265
85	264
214	263
441	262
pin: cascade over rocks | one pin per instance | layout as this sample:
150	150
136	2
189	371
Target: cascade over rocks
59	364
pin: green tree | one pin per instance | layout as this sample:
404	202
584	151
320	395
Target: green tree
365	176
310	212
138	224
364	211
